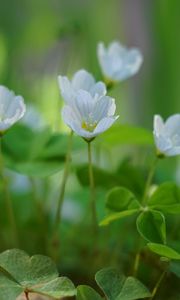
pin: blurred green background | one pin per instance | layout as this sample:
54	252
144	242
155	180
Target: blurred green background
41	39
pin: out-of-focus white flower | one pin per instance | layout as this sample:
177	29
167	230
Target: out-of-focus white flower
12	108
117	62
167	135
89	116
33	118
82	80
19	183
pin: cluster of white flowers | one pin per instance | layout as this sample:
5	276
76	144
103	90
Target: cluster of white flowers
88	111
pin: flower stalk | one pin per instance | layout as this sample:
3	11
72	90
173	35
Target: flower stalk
58	217
154	292
92	190
144	202
149	179
64	181
8	201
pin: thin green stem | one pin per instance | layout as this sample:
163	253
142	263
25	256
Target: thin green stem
8	201
136	263
149	180
92	190
37	202
144	201
55	237
158	285
63	183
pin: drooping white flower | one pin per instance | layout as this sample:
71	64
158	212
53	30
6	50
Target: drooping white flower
82	80
167	135
117	62
12	108
89	116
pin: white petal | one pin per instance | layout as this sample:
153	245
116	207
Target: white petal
16	108
84	103
104	124
71	119
66	89
6	96
82	80
163	144
4	127
12	108
116	48
167	135
101	50
173	151
105	60
82	132
103	108
69	116
98	89
172	125
158	125
118	63
132	62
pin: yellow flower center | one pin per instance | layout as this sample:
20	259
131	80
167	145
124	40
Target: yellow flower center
88	127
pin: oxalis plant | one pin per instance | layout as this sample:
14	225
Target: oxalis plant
89	112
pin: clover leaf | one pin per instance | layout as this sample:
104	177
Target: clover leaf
115	286
118	287
37	274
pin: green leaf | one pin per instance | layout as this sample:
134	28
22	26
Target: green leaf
102	177
37	168
39	153
166	198
131	176
8	288
151	226
133	289
120	199
58	288
110	281
85	292
127	175
120	203
127	134
57	145
116	216
174	267
163	250
16	142
118	287
35	274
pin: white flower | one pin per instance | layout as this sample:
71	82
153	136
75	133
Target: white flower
82	80
12	108
117	62
33	118
167	135
89	116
